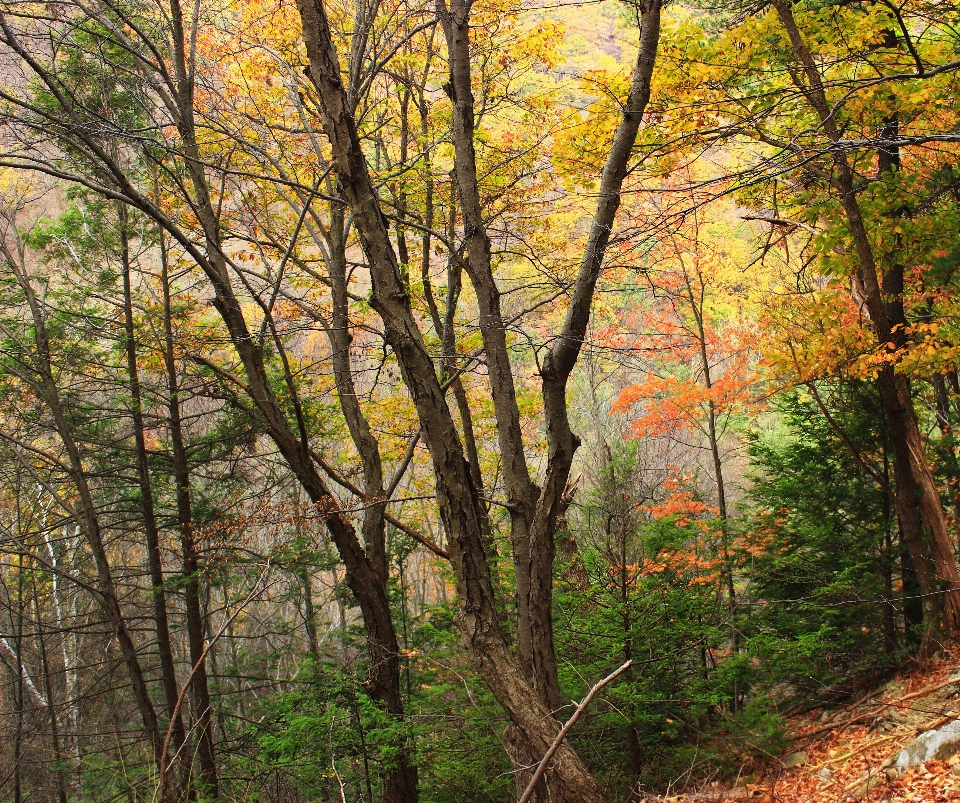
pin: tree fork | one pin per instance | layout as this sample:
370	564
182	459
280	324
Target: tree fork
456	496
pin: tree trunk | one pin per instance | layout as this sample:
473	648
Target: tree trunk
190	558
713	439
55	741
383	684
947	446
521	492
151	531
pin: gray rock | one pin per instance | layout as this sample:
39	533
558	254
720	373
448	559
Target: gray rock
936	745
825	774
955	769
796	759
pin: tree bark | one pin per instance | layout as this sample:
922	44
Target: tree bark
400	781
521	491
565	351
947	445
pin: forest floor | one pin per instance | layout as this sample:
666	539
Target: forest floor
846	754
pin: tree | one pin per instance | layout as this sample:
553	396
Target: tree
701	374
824	147
824	565
526	699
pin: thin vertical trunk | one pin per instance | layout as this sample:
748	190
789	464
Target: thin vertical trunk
401	192
151	531
191	563
18	688
68	642
309	614
696	307
445	328
905	500
887	562
634	754
55	741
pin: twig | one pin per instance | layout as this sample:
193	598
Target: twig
855	752
545	761
333	763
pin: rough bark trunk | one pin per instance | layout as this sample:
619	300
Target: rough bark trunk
400	781
947	443
905	497
562	356
521	491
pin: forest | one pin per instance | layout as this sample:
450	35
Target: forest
467	401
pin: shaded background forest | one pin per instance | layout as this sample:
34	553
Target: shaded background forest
226	569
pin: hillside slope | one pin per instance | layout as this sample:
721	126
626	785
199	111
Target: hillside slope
850	754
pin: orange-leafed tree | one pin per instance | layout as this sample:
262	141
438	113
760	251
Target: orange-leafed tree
699	372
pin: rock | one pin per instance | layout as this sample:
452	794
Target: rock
955	769
825	774
796	759
934	745
892	774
